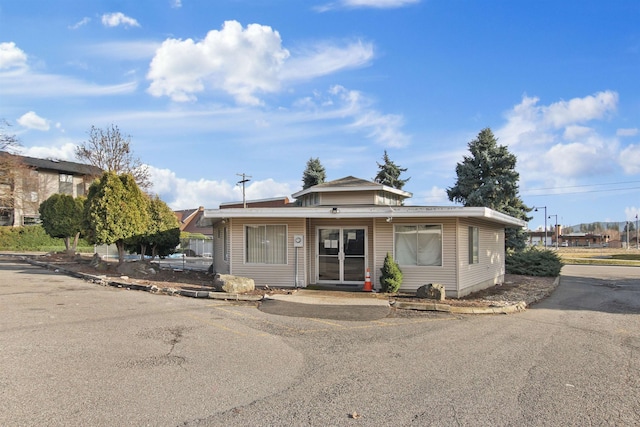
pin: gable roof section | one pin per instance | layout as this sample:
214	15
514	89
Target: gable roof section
350	183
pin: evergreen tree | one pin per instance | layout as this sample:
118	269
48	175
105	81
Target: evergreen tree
314	174
116	210
389	173
488	178
162	234
61	217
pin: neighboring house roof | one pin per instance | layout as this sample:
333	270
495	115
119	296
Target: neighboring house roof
190	220
60	166
264	203
350	183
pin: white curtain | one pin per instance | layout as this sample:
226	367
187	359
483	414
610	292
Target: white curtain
418	244
266	244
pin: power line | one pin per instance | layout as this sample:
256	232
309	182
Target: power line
577	192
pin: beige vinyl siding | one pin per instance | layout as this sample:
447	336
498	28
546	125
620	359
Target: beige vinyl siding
490	267
267	274
347	198
414	276
312	240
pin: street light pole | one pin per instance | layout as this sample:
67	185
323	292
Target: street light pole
556	229
545	224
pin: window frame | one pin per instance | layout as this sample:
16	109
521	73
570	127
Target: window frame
285	242
474	245
417	226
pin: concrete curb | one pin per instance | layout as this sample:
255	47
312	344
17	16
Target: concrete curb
116	283
508	309
419	306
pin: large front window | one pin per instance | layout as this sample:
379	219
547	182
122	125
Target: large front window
266	244
418	244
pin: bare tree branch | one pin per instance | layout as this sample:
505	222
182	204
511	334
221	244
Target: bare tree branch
111	151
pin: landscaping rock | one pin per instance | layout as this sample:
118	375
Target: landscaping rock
233	284
433	291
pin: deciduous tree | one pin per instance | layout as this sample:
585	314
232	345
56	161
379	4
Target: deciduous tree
488	178
62	217
389	173
116	210
111	151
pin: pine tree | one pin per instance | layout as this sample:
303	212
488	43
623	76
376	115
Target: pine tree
389	173
488	178
314	174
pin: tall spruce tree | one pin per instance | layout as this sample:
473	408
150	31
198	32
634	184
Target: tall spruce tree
488	178
389	173
314	174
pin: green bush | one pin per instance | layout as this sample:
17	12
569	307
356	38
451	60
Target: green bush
391	278
534	262
33	238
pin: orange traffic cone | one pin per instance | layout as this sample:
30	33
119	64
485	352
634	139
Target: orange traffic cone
367	283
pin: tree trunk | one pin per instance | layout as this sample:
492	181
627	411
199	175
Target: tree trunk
143	251
67	242
75	241
120	246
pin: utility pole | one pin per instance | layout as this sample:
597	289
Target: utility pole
245	179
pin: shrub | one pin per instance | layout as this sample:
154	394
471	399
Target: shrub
391	278
31	238
534	262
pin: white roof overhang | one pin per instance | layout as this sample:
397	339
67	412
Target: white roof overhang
335	189
338	212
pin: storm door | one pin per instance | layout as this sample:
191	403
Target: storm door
341	255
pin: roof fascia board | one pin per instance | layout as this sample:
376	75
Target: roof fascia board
351	189
367	212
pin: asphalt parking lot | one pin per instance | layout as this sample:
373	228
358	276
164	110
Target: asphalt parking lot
76	353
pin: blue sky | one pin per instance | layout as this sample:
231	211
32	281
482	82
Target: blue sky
207	90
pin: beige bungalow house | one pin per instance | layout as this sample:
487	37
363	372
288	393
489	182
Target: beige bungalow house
338	230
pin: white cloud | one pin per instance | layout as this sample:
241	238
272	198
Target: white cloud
375	4
325	59
243	62
84	21
31	120
62	150
552	142
574	131
180	193
627	132
176	4
11	56
342	103
237	60
630	159
436	196
580	110
118	19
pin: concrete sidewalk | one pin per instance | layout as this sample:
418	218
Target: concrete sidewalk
336	305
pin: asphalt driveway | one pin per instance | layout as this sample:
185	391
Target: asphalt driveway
76	354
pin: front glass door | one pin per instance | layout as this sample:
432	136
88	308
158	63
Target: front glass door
341	255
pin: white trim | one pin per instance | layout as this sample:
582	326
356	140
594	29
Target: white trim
355	188
420	212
